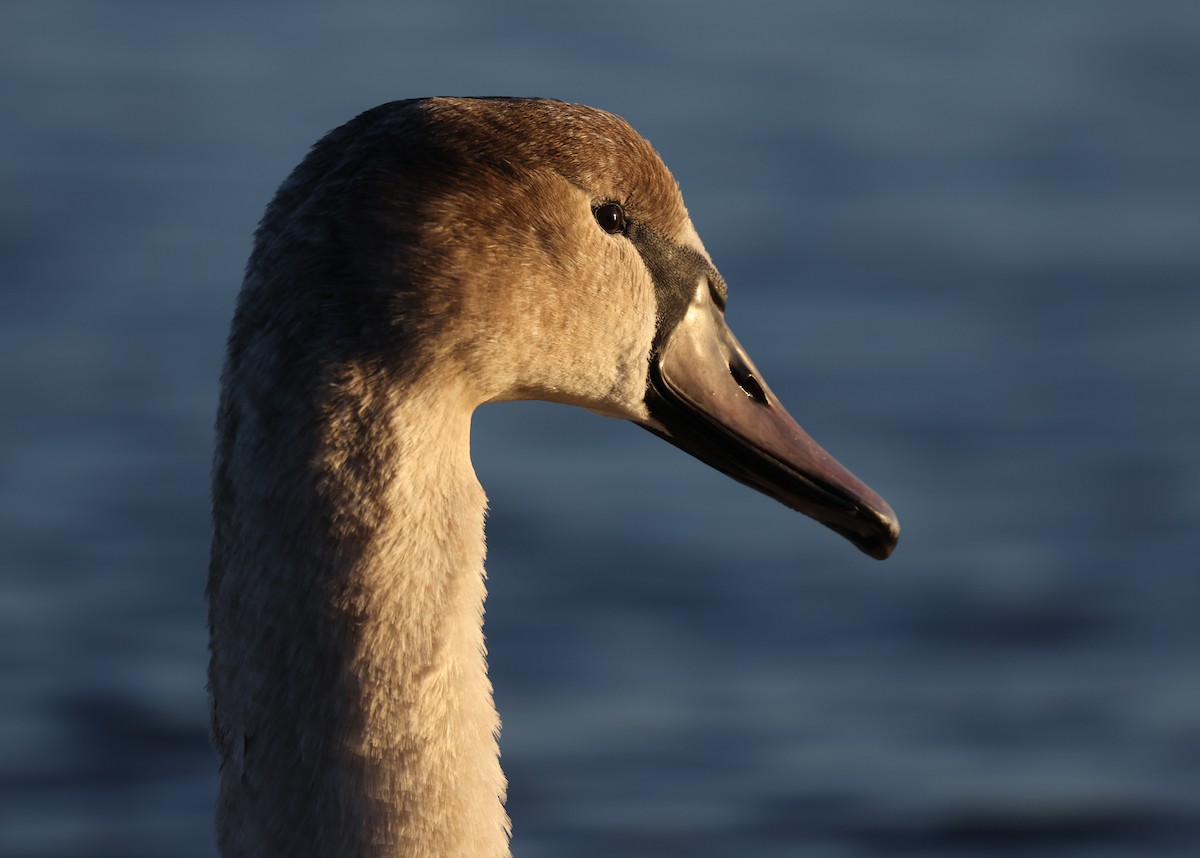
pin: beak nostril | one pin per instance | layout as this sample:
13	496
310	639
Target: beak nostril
748	383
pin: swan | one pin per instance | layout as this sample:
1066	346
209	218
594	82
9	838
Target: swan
425	258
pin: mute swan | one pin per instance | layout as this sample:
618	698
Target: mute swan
425	258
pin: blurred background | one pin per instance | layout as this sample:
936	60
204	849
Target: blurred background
963	245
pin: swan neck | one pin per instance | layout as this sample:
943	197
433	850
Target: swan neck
351	704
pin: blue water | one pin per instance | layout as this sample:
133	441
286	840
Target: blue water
963	244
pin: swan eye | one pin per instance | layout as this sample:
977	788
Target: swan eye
611	217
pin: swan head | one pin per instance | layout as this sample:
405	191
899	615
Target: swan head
532	249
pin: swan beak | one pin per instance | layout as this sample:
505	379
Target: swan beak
707	398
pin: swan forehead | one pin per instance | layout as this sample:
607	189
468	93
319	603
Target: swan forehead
596	151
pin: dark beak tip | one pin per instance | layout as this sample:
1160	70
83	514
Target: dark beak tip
873	531
881	542
880	549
